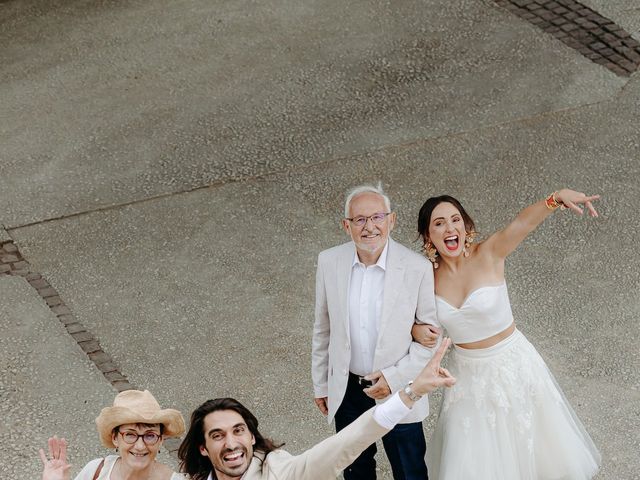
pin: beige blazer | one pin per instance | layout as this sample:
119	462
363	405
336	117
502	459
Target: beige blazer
408	297
324	461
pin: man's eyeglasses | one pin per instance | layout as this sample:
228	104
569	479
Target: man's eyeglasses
149	438
376	219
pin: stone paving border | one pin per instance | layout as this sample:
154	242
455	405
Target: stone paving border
583	29
13	263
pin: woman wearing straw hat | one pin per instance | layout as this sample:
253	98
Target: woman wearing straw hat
135	426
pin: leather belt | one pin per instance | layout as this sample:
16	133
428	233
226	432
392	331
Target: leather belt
360	380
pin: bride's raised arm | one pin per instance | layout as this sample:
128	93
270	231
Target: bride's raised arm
505	241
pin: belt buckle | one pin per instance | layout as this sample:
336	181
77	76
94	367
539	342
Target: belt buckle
364	383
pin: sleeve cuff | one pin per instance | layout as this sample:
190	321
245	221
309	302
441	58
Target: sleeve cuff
391	412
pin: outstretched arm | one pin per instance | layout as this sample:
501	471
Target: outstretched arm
505	241
328	458
56	468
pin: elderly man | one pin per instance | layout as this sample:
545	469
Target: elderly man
224	443
369	293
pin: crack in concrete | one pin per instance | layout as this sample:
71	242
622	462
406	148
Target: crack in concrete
345	158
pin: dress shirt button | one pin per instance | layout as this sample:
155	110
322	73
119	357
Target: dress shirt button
344	371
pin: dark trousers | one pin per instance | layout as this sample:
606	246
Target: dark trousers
405	444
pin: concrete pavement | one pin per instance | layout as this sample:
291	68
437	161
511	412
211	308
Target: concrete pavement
174	168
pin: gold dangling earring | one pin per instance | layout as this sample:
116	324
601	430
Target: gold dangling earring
468	240
431	253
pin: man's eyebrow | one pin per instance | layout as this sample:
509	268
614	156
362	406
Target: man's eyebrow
216	430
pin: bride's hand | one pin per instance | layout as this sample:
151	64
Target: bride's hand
572	199
56	468
425	334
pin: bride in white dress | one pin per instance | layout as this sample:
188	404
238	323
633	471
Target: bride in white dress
506	418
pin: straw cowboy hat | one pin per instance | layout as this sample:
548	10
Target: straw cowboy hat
134	406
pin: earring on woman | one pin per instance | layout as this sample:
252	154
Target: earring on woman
468	240
431	253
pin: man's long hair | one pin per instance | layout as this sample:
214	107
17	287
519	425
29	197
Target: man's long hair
192	461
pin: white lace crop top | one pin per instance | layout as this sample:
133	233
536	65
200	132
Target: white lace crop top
484	313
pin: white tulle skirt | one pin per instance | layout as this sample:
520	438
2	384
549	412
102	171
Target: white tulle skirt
507	419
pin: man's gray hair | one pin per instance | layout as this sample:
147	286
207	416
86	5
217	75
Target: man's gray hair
359	190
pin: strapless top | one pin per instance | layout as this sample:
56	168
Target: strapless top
484	313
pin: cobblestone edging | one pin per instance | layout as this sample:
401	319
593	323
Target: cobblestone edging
583	29
13	263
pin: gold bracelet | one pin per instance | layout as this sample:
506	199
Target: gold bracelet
552	203
559	202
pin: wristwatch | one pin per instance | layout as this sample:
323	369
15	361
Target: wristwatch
410	393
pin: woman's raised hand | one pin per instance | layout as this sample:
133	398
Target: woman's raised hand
573	200
56	467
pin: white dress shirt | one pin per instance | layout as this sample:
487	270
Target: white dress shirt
366	289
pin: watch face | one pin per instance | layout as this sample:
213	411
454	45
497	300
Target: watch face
411	394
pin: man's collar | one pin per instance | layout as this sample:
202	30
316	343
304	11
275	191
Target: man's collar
382	259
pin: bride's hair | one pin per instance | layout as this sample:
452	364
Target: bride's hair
424	217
